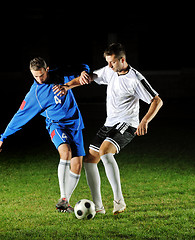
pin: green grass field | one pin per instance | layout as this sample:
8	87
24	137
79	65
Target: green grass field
157	175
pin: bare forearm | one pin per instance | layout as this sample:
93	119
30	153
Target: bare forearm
73	83
153	110
61	90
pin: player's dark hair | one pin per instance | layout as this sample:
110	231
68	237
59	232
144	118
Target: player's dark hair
115	48
37	63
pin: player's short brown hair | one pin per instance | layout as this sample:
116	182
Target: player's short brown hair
37	63
115	48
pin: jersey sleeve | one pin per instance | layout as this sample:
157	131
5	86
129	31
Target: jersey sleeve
101	76
28	109
76	72
85	67
145	92
143	89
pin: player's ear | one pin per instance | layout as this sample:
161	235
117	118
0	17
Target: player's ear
122	59
47	69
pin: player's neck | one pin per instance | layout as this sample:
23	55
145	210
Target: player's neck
125	69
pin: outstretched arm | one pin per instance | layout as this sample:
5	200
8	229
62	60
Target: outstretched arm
84	78
28	109
153	110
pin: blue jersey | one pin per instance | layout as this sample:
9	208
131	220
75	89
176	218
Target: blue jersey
41	99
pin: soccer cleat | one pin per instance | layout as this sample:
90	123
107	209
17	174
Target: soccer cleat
119	207
100	210
62	205
69	209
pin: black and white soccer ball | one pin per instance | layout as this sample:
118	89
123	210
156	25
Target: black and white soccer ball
84	209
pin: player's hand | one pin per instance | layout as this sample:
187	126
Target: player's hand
142	129
60	89
84	78
1	143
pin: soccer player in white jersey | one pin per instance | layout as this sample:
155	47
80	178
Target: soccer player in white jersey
125	87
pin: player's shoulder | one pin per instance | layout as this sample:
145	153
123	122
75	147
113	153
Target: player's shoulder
31	95
136	74
129	77
104	73
32	88
108	72
56	75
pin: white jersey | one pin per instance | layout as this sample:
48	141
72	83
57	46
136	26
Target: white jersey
123	94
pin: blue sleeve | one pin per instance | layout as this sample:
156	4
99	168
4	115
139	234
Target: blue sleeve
83	67
28	109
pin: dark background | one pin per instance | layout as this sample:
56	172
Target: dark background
159	42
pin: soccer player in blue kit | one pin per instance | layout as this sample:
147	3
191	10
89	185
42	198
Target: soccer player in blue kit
63	122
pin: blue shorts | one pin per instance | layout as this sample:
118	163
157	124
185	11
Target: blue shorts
74	138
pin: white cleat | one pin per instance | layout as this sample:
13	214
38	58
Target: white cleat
119	207
100	210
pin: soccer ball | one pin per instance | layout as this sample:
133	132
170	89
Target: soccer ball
84	209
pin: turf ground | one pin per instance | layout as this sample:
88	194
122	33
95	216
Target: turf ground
157	175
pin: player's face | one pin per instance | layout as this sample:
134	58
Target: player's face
114	63
40	75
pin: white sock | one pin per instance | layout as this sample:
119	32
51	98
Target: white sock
71	184
63	174
93	180
113	175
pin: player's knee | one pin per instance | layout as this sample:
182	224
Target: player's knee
65	152
92	157
76	165
106	148
77	168
65	155
103	151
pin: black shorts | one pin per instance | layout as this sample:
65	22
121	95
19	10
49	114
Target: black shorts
119	135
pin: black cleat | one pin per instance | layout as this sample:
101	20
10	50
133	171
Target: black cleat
64	206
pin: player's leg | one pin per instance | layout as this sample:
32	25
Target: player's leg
107	151
62	140
63	176
74	176
93	178
119	136
77	148
64	167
